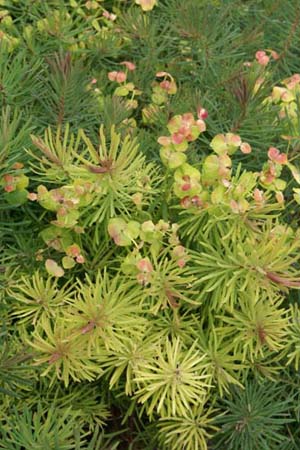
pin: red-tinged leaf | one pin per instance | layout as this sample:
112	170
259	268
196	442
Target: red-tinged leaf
53	268
282	280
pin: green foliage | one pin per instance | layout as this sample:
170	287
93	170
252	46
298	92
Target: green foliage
149	226
35	430
254	418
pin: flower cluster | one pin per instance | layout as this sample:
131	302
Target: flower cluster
157	260
125	88
161	92
65	201
270	175
263	59
229	143
163	88
15	184
214	184
286	97
62	241
183	129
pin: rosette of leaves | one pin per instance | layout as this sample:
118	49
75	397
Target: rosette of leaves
102	181
224	361
261	261
127	357
255	417
37	297
163	284
173	381
257	327
120	172
103	310
170	286
191	432
62	355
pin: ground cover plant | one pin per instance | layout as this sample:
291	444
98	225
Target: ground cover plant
149	224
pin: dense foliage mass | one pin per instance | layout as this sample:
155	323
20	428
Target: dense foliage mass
149	224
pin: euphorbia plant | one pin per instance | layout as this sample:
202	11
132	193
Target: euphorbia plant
99	184
220	268
149	261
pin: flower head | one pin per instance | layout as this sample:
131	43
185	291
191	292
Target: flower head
129	65
119	77
262	58
277	157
